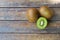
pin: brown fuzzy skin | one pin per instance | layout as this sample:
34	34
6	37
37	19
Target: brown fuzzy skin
32	15
46	12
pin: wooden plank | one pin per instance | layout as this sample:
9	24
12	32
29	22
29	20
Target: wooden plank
12	14
20	14
26	27
30	36
26	3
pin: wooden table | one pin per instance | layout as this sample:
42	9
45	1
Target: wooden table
15	26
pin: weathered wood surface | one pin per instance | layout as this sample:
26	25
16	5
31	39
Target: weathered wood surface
14	20
14	24
29	36
20	13
26	3
27	28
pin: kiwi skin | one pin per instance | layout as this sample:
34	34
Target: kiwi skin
46	12
32	15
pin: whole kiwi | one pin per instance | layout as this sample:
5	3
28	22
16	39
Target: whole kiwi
46	12
32	15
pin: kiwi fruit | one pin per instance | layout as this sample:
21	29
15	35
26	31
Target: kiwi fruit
46	12
42	23
32	15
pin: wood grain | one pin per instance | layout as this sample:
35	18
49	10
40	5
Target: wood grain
30	36
24	27
15	20
14	24
26	3
20	13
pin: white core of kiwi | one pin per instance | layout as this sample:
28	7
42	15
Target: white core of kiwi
42	23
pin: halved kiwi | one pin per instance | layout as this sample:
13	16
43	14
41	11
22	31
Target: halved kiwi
42	23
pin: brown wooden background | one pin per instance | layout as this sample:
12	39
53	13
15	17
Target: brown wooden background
15	26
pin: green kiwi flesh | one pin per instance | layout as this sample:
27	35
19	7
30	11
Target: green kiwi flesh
42	23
